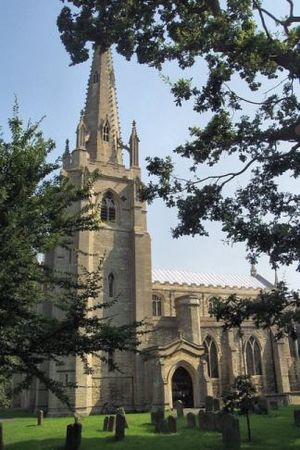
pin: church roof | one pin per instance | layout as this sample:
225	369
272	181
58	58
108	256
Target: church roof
209	279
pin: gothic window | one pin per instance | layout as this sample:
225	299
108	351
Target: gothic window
156	305
253	357
111	285
212	357
105	131
108	208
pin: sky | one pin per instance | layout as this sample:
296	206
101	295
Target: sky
35	69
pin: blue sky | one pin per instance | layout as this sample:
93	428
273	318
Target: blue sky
35	68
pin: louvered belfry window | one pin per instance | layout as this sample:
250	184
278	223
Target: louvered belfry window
108	208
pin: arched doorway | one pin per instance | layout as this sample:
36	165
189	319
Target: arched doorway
182	387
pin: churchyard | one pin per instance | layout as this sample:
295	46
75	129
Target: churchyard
274	431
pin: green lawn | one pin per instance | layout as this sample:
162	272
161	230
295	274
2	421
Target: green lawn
274	432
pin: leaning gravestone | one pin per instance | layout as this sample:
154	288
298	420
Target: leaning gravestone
209	403
111	423
172	422
122	412
1	437
40	417
120	427
231	433
191	420
297	417
179	408
105	424
216	404
73	439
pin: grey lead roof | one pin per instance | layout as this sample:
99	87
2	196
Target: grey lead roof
209	279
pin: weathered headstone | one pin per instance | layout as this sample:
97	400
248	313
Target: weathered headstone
273	404
216	404
1	437
111	423
164	426
172	422
105	424
206	421
209	403
262	403
40	417
73	439
231	433
297	417
191	420
178	405
122	411
156	416
120	427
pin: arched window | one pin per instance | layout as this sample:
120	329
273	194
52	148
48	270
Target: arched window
111	285
108	208
156	305
253	358
212	357
105	131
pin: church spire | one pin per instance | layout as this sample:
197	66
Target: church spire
100	117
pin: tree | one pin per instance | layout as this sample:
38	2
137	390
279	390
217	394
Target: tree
36	216
252	58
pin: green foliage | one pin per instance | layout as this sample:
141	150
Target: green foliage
256	128
37	214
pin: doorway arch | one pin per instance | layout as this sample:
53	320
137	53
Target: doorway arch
182	387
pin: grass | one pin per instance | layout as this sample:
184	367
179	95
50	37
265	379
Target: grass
273	432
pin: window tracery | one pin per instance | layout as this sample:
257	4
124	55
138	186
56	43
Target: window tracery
108	208
211	356
253	357
156	305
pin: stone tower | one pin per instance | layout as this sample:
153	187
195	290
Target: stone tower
123	242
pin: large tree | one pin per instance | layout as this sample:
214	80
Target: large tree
36	216
252	60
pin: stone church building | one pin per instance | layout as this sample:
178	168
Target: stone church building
187	355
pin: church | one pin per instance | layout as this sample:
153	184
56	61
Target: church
187	355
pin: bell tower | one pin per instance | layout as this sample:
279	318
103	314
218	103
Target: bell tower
122	240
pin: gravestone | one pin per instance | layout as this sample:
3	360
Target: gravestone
122	412
178	405
1	437
216	404
191	420
273	404
209	403
297	417
231	433
111	423
40	417
73	438
156	416
172	422
220	418
105	424
263	406
206	421
164	426
120	427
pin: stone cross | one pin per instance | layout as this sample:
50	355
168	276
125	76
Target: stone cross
120	427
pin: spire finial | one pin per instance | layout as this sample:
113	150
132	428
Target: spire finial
134	146
253	271
67	147
276	281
